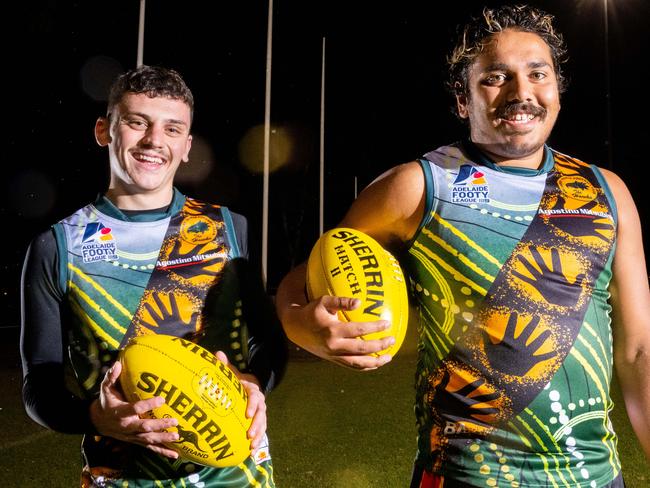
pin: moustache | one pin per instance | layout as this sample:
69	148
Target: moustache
528	108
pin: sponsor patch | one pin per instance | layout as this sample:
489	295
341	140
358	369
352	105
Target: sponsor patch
98	243
470	186
188	261
262	453
198	229
577	187
572	212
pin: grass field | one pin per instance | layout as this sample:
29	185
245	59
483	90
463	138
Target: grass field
329	427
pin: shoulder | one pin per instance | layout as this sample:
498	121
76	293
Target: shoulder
615	182
42	261
629	248
622	196
239	221
399	189
44	244
390	208
240	227
401	176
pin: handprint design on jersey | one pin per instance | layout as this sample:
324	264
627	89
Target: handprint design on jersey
197	273
191	261
552	276
521	347
159	309
463	397
530	317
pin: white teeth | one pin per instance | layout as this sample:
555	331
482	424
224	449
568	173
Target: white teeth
150	159
522	118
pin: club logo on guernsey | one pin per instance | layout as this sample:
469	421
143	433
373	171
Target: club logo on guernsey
98	243
470	186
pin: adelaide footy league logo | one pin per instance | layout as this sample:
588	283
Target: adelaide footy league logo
98	243
470	186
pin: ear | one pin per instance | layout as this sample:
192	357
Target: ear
188	146
461	105
103	131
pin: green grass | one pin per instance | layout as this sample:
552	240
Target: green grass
329	427
333	427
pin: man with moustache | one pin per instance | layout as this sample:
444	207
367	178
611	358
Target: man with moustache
110	271
511	249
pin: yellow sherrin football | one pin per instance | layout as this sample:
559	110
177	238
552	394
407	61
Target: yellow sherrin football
200	391
348	263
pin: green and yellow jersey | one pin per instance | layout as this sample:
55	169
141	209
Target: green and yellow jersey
180	271
510	269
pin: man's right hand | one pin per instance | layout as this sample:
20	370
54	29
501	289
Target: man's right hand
114	417
316	327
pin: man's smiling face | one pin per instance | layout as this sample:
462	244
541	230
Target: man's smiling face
513	98
148	138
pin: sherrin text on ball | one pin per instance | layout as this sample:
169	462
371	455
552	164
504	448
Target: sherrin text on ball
349	263
201	392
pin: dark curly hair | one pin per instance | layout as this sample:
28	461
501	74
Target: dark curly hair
154	81
476	35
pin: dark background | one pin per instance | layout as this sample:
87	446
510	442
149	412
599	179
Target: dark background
385	103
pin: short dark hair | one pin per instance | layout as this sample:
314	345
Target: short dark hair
477	32
153	81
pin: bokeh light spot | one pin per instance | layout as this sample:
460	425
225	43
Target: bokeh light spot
251	149
201	162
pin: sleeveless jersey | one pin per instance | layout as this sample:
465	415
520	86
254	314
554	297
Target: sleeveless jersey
510	269
122	277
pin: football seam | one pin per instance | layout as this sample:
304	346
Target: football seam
229	410
330	287
230	413
394	278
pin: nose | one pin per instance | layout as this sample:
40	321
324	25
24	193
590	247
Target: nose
153	136
520	89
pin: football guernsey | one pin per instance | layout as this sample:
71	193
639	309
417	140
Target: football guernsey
180	274
510	269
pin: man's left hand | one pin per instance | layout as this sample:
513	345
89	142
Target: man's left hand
256	408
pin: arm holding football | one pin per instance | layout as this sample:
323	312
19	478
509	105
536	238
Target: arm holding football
45	396
47	399
114	417
390	211
256	407
315	326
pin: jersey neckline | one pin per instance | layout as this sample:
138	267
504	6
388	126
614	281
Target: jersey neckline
105	206
475	154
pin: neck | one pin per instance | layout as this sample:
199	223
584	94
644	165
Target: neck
139	201
533	160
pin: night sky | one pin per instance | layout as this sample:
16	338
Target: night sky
385	103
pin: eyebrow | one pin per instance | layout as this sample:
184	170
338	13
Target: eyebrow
538	64
506	67
174	121
168	121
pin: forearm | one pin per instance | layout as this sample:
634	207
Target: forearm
50	404
633	371
630	299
